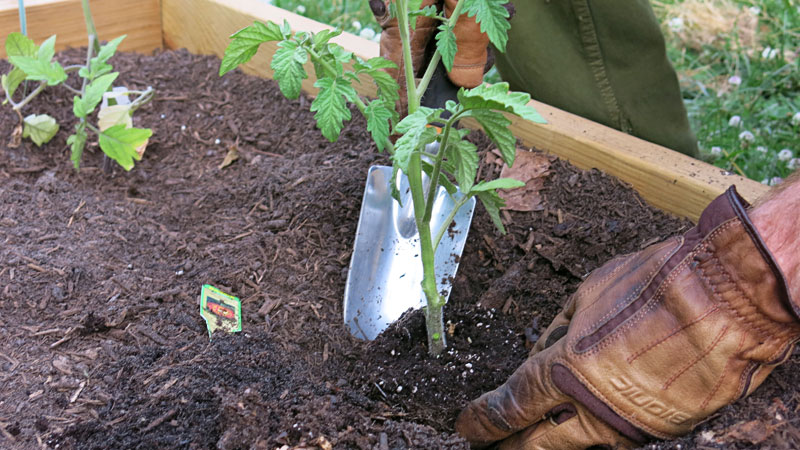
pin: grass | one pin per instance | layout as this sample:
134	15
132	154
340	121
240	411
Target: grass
737	61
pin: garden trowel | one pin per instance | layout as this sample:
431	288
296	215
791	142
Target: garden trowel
385	273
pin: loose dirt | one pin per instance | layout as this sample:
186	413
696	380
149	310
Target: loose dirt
101	341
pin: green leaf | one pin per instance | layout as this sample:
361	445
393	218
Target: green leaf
446	44
413	12
98	65
83	106
492	202
120	143
388	89
495	125
288	66
464	156
330	105
493	19
412	128
245	43
500	183
321	38
498	97
77	142
40	128
379	120
11	82
17	44
40	67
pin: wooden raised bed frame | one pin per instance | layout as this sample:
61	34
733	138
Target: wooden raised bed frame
669	180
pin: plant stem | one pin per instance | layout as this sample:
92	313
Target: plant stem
408	66
433	312
94	39
449	220
26	100
426	77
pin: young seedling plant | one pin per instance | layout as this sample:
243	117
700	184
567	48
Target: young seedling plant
34	63
455	165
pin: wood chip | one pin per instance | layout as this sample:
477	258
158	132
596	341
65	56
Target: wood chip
160	420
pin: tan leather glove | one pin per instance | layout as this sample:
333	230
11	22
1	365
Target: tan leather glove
650	344
470	61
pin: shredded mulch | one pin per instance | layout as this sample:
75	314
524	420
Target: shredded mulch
101	343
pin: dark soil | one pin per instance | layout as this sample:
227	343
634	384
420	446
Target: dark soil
101	343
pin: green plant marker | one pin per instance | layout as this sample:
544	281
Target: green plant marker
220	310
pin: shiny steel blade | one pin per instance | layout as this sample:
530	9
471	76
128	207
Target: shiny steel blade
386	270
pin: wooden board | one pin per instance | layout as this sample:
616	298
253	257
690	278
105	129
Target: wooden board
140	20
669	180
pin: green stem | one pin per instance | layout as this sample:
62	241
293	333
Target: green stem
90	28
408	66
437	166
433	312
26	100
426	77
449	220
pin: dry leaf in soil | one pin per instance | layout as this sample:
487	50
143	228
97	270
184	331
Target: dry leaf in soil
233	155
530	168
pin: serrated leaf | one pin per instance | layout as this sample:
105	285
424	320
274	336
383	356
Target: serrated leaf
83	106
495	125
377	62
288	66
411	127
322	37
40	128
413	7
464	156
17	44
77	142
330	105
500	183
446	44
498	97
492	202
120	144
245	43
114	115
493	19
11	82
379	119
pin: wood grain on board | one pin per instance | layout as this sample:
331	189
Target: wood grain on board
140	20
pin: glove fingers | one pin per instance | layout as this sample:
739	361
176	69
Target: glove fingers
557	328
524	399
579	432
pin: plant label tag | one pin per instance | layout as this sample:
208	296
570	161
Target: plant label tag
220	310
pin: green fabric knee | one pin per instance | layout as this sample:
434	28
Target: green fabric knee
601	59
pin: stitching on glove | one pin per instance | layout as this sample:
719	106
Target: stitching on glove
629	300
673	332
724	372
702	356
657	296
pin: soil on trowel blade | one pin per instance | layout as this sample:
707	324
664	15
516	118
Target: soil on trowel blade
101	343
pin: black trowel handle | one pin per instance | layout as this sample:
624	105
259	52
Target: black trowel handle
439	90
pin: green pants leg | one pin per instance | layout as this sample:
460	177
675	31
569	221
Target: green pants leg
600	59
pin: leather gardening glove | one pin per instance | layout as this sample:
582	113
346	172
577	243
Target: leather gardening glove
471	61
650	344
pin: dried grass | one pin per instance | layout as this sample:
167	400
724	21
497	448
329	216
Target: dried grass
711	22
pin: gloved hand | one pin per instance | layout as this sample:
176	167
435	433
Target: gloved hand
471	61
650	344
